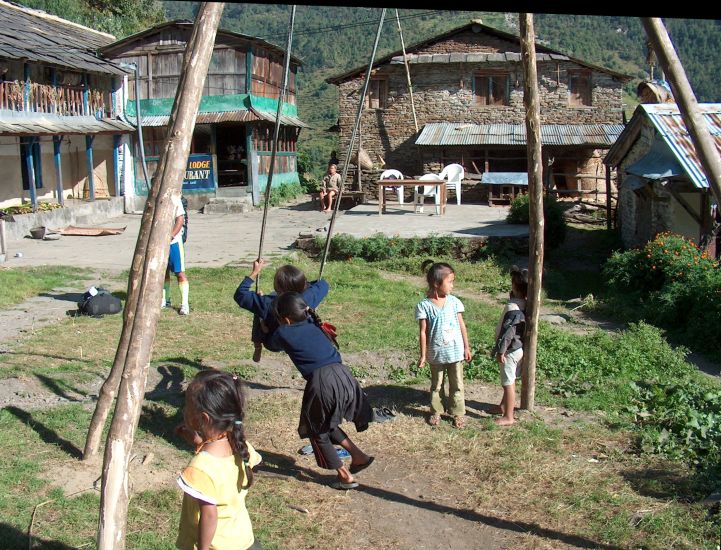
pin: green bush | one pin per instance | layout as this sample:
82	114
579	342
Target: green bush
672	283
284	193
379	247
555	224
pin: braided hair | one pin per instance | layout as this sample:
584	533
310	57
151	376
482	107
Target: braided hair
220	395
291	305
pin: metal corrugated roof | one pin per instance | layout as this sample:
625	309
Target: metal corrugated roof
449	133
667	120
247	115
32	35
50	125
463	57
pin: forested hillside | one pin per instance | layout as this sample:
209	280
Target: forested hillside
330	40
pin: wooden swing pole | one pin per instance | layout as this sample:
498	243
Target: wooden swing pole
349	152
536	221
408	72
276	131
148	278
686	100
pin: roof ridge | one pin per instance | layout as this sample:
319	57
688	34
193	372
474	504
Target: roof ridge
45	15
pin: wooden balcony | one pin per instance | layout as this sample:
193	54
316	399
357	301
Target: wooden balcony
56	100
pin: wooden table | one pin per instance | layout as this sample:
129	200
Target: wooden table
382	184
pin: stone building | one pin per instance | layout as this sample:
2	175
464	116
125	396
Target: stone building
661	184
468	94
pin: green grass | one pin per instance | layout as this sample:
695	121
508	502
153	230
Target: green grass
374	312
19	284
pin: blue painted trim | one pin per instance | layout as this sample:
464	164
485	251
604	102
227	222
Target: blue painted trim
119	188
89	165
283	178
57	141
31	173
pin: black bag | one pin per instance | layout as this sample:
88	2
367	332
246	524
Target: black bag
103	303
184	202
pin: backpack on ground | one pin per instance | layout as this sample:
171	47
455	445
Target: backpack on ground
184	202
100	303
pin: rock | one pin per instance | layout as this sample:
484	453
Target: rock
148	458
712	499
555	319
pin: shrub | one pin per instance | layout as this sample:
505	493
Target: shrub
672	283
379	247
284	193
555	224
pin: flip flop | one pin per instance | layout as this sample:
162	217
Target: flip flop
383	414
342	486
361	467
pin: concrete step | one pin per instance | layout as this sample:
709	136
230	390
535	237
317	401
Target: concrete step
228	206
231	192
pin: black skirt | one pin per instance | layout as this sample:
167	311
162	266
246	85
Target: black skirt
332	394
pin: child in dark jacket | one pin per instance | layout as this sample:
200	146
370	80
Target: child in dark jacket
288	278
509	343
331	395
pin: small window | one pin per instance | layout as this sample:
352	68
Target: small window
491	89
579	88
377	96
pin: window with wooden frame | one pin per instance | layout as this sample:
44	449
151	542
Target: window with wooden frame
377	97
579	88
491	89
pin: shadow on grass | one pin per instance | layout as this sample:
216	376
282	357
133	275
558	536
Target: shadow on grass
45	433
664	484
63	296
58	390
404	399
280	465
12	537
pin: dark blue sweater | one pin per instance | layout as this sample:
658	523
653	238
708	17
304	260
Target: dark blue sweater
262	306
306	345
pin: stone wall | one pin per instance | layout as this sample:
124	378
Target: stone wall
443	92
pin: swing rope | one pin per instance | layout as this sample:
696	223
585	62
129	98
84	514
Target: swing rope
361	104
276	131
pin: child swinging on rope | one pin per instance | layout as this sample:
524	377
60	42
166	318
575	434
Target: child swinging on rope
331	393
287	278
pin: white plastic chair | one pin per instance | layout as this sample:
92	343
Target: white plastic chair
393	174
423	191
455	174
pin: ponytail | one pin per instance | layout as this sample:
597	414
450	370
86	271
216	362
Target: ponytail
236	437
220	395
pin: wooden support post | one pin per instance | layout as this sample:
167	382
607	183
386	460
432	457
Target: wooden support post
30	164
686	101
90	166
536	221
145	283
360	147
608	198
3	242
57	142
119	191
26	87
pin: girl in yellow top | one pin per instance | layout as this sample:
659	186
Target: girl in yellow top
216	481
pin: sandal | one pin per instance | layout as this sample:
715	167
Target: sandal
343	486
434	420
459	422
